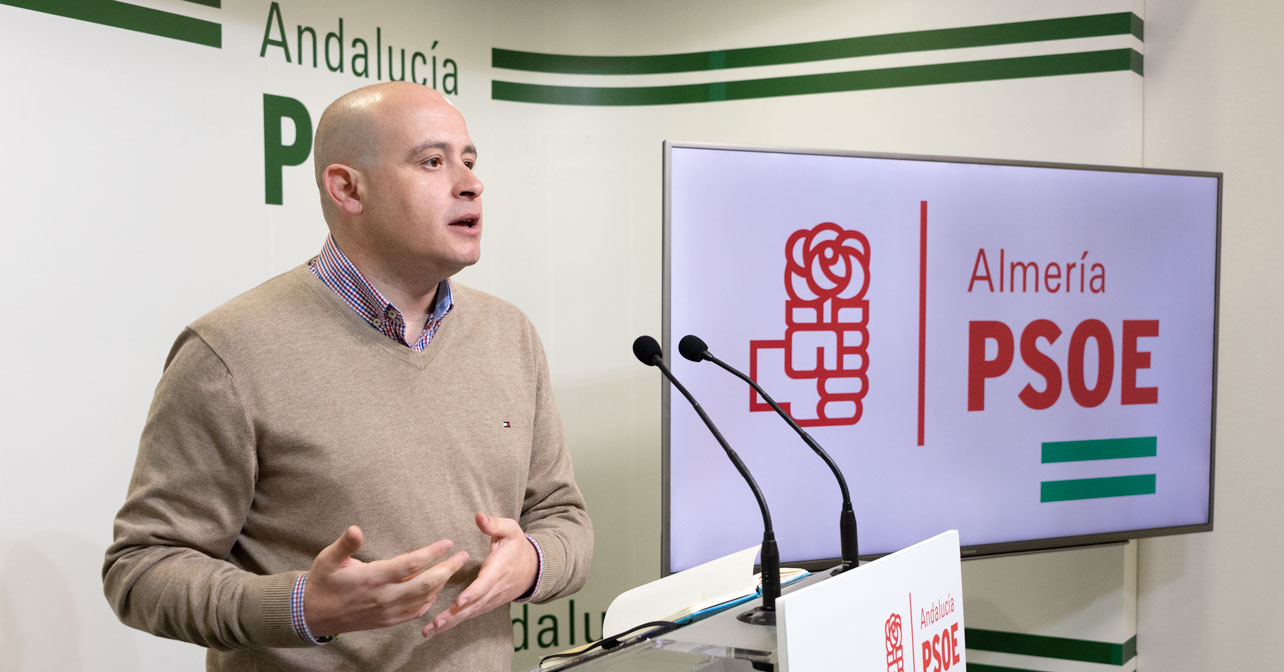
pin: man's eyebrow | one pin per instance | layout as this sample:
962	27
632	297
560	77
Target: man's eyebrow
443	146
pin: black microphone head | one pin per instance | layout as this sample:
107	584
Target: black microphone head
693	348
647	350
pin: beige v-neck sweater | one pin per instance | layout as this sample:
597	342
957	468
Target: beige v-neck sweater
281	418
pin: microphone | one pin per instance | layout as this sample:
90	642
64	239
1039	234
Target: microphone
694	348
649	352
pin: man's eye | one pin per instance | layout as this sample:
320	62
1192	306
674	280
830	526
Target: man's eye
433	162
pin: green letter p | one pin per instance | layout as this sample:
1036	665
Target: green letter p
277	156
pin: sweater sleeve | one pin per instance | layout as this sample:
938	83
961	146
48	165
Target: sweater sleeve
553	511
167	571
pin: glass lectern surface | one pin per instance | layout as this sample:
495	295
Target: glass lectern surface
716	644
666	655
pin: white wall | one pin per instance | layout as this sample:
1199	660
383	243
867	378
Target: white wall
1214	98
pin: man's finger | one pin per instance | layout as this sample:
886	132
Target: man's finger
481	585
456	614
444	621
414	597
430	581
494	526
334	555
409	565
423	609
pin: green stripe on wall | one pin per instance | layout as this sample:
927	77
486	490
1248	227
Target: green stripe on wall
1129	651
208	3
1110	60
1123	23
981	667
1096	488
1061	648
1099	449
130	17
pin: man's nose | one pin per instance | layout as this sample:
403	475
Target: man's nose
467	183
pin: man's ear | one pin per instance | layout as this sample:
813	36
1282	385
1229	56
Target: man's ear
343	187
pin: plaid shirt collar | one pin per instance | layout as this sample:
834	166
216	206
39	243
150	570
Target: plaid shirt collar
341	275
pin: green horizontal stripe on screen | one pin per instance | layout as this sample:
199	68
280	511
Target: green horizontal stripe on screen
130	17
1096	488
1099	449
1061	648
1110	60
1097	25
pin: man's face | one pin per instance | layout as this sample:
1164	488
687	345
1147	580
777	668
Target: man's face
423	209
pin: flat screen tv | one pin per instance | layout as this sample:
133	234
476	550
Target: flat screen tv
1024	352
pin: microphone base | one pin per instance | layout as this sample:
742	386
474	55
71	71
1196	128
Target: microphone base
758	616
842	568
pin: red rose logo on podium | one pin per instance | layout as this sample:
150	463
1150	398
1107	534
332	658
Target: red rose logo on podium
895	647
826	332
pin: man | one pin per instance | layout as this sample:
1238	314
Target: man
362	395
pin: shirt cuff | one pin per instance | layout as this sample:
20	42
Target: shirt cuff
296	615
539	570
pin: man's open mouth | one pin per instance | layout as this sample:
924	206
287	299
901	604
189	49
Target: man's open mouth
469	221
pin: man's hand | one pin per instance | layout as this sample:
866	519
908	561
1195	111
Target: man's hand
507	573
344	594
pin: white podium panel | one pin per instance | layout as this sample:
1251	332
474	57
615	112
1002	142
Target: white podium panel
900	613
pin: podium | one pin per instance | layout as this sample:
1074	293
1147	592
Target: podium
900	613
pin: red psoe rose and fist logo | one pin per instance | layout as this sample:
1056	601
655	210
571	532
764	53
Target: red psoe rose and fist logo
826	332
895	646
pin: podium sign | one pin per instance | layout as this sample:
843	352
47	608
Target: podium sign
900	613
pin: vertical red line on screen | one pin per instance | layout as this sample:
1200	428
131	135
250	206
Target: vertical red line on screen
922	317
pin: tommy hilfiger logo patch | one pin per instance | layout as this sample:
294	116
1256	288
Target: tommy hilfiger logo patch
507	424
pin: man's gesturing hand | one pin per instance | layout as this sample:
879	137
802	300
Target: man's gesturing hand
507	573
344	594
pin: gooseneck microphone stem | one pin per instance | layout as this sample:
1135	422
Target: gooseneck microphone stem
649	353
770	552
694	349
731	453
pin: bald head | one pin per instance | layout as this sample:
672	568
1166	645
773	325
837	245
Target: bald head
353	129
